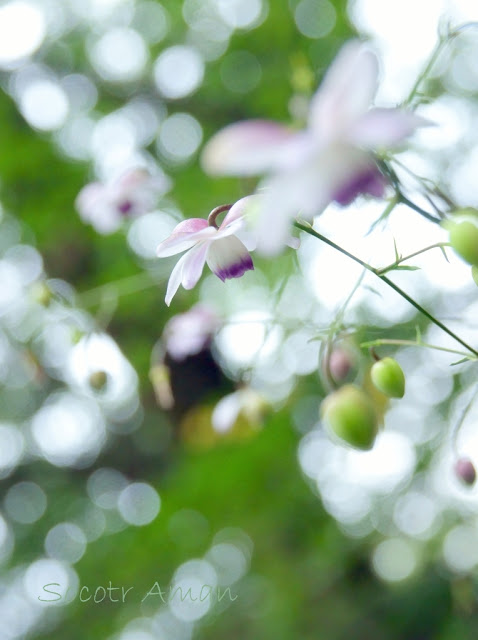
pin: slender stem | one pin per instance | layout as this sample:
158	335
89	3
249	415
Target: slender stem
427	68
413	343
390	267
461	420
303	226
404	200
124	287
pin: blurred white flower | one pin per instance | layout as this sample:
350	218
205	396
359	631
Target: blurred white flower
245	402
106	205
330	160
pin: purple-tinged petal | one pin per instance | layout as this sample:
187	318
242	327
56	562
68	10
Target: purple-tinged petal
368	181
385	128
228	258
184	236
346	92
245	148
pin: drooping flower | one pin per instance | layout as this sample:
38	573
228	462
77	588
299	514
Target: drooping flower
330	160
225	254
105	205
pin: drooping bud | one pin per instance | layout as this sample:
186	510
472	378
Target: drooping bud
474	274
98	380
349	413
465	471
388	377
463	230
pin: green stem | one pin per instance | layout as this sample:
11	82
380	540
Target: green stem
404	200
119	288
307	228
413	343
427	68
390	267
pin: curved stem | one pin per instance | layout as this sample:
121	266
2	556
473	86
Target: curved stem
413	343
307	228
390	267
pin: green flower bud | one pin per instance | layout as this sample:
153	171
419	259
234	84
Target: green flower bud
463	229
98	380
349	413
387	376
474	274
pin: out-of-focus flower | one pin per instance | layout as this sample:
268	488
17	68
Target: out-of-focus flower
220	247
330	160
244	402
106	205
186	334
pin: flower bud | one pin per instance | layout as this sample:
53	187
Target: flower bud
98	380
465	471
388	377
350	414
463	230
474	274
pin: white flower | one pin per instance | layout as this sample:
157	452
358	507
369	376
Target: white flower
220	247
331	159
106	205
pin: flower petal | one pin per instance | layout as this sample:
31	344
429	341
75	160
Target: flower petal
175	279
346	92
185	235
239	209
187	271
226	412
228	258
245	148
385	128
194	264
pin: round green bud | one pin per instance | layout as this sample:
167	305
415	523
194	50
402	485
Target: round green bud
387	376
349	413
98	380
464	240
474	274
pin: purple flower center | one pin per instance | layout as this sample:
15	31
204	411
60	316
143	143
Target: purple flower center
371	182
236	270
125	207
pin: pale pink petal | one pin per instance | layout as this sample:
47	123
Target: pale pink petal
245	148
175	279
187	271
346	92
228	258
226	412
184	236
293	242
194	264
385	128
239	209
